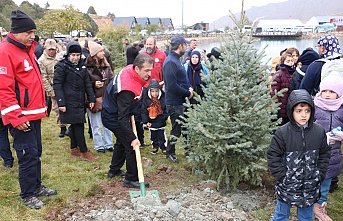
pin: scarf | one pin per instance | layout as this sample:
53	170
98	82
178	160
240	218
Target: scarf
288	68
330	105
155	108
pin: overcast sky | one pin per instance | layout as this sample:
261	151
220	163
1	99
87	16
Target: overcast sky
193	10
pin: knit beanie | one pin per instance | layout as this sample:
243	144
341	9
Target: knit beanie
73	47
332	82
94	48
308	56
21	22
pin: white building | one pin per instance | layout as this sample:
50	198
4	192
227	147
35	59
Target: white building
285	25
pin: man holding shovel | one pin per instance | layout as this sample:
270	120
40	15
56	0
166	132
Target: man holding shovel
121	96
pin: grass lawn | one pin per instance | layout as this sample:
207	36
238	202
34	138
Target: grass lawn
73	178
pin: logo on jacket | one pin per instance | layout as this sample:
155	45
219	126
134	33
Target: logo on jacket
27	65
157	60
3	70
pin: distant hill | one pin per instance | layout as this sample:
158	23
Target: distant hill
295	9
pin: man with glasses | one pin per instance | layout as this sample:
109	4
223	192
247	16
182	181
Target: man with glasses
177	88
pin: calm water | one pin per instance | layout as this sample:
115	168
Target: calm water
274	46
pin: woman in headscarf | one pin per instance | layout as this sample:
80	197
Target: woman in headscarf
194	68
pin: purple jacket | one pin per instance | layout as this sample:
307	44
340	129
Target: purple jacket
330	120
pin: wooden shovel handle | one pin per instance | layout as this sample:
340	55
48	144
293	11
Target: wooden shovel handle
138	153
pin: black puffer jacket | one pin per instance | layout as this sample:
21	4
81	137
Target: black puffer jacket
71	83
298	157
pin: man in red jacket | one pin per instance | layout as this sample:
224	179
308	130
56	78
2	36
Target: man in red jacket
158	56
23	105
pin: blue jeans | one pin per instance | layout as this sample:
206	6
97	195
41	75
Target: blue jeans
282	212
5	149
324	190
102	138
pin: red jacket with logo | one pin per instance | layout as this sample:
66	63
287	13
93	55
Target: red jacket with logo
156	73
21	87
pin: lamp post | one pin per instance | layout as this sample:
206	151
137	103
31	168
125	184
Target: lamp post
182	16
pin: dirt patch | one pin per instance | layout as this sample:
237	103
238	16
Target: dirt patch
167	182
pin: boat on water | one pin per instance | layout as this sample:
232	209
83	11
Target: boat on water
277	35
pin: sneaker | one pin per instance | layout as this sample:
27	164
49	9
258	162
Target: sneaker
134	184
333	187
45	191
173	158
320	212
33	202
154	151
164	152
118	174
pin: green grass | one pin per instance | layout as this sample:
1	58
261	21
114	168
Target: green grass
73	178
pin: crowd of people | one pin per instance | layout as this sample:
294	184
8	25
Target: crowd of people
304	157
78	82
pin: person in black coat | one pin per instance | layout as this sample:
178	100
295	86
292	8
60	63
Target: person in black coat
132	52
154	115
306	58
71	83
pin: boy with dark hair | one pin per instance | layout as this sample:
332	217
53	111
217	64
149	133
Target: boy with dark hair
298	158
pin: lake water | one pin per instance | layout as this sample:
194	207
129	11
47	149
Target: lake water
274	46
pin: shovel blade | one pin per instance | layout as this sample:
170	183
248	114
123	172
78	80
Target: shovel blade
134	194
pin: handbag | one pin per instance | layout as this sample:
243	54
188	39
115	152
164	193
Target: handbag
97	105
98	102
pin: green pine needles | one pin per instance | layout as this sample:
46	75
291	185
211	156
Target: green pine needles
229	131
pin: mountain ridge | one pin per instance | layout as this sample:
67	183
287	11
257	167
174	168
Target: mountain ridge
295	9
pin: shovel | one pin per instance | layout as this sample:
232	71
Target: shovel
142	192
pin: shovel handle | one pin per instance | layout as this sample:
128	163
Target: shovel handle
138	153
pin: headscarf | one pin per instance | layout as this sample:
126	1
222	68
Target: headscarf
331	45
193	71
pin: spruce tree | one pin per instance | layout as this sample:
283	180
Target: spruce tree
229	131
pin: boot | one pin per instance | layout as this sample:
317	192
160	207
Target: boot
63	130
320	212
75	152
89	156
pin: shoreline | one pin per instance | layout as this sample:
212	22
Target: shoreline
163	41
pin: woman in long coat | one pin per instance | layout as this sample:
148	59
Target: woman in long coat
100	74
71	84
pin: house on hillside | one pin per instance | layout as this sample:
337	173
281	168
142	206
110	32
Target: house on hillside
284	25
144	22
127	22
200	26
167	24
156	21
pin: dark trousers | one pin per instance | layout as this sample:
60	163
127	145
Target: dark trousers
5	149
174	112
124	151
140	131
157	138
77	137
28	147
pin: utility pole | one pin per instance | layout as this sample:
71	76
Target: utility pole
182	16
